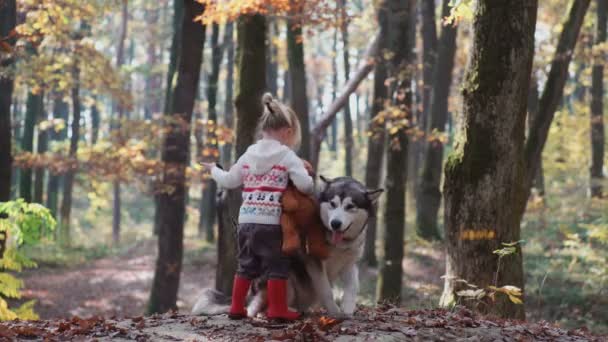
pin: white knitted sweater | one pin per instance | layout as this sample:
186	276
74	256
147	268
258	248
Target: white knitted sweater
264	170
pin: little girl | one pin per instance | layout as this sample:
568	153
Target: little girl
264	170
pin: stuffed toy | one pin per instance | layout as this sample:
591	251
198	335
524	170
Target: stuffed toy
300	218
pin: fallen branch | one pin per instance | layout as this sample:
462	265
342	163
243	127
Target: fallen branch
318	133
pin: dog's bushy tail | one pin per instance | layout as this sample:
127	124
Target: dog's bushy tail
211	302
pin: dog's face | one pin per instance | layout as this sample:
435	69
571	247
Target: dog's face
346	205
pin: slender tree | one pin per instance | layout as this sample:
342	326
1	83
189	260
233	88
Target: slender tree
429	52
8	17
483	176
66	199
175	156
33	110
375	143
533	103
552	92
397	16
272	65
251	64
174	54
120	58
95	121
42	146
429	194
207	209
348	121
153	54
228	104
598	136
297	72
60	111
333	146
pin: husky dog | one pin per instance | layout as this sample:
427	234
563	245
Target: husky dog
345	207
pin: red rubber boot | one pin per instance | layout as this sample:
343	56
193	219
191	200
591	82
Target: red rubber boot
277	301
239	293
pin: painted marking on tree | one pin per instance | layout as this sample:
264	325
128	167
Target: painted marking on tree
474	234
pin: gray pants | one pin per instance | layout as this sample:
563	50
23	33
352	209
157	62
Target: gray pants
260	251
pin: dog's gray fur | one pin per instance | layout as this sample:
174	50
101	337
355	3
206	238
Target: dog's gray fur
346	206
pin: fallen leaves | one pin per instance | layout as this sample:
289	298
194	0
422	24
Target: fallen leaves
383	322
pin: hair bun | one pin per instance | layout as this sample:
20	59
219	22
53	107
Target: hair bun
267	98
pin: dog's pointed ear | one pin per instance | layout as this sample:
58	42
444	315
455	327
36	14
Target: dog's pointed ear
373	195
325	180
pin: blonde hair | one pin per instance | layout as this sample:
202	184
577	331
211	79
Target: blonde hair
276	116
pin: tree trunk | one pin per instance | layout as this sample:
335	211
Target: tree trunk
533	103
429	52
297	71
41	148
153	79
272	65
228	105
33	109
251	62
429	194
8	17
483	185
553	91
60	111
66	200
375	150
396	16
175	156
598	136
174	55
348	121
207	210
95	121
333	146
120	57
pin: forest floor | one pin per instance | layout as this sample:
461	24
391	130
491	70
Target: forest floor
104	297
119	284
377	324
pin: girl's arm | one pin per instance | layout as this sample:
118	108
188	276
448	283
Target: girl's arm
228	179
298	174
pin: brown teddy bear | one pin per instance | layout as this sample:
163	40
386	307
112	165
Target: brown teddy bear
300	218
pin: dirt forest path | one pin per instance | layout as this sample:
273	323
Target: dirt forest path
119	285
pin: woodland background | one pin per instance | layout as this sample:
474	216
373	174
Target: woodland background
106	108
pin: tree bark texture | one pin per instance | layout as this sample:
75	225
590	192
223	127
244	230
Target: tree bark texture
396	15
375	142
297	71
598	135
484	175
8	18
60	111
429	194
174	55
533	103
68	185
228	104
175	156
208	212
272	65
251	63
33	110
